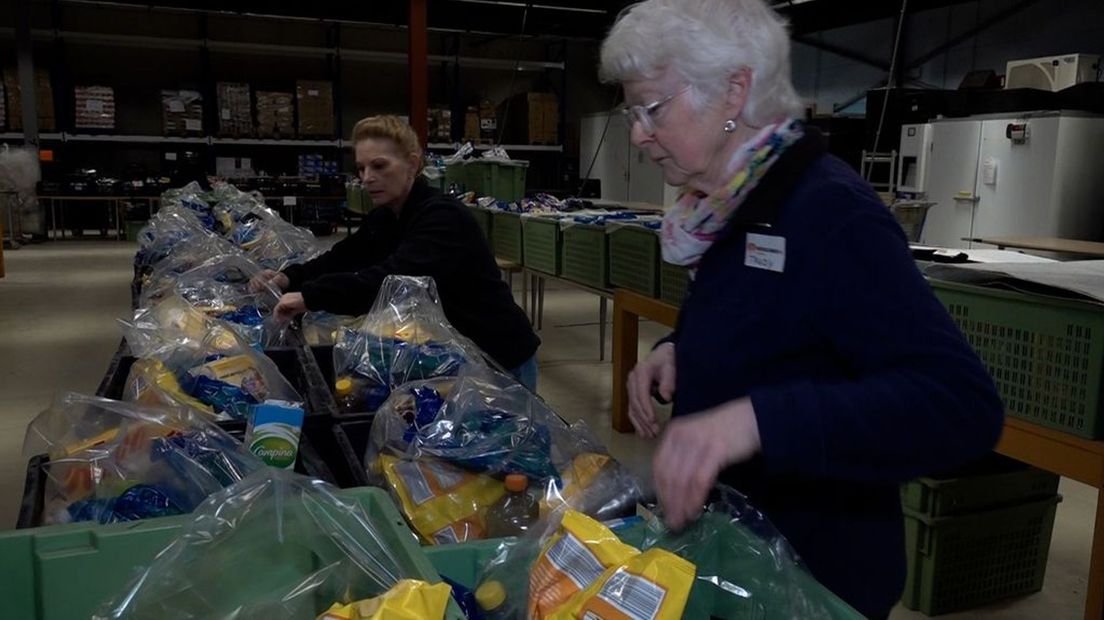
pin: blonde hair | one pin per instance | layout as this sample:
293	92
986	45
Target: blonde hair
704	42
389	127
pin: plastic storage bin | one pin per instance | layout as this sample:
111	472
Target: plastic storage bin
483	218
674	280
542	243
1045	354
634	259
504	180
67	571
585	256
506	239
961	562
995	482
351	438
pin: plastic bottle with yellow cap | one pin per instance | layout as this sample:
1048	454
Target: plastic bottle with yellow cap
515	512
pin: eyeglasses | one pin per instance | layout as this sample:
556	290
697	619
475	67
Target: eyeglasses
643	114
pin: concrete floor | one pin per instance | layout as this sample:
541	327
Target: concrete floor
58	306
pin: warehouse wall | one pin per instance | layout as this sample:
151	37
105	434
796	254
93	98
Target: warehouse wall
1042	29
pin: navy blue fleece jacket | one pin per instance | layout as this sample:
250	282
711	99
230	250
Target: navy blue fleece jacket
858	376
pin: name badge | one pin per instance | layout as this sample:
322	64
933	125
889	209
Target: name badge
765	252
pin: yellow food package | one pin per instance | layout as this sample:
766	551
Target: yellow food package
655	585
443	503
236	370
155	384
409	599
573	558
577	478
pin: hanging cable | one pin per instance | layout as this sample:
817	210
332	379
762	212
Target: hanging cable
889	81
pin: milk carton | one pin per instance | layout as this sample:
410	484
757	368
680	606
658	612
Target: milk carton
273	432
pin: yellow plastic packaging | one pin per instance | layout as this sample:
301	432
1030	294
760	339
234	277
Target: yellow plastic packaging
409	599
655	584
574	557
443	503
577	478
151	373
237	370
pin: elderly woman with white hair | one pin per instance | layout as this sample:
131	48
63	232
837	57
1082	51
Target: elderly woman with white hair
811	368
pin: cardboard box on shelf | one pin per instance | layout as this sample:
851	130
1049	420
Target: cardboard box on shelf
93	107
440	124
235	117
471	125
488	121
316	108
44	100
275	114
532	118
182	113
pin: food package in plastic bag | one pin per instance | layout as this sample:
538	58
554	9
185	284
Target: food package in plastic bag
188	358
409	599
219	287
172	229
404	338
110	461
275	244
447	449
273	546
193	198
321	328
730	563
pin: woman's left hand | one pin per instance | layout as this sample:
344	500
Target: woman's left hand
291	305
694	450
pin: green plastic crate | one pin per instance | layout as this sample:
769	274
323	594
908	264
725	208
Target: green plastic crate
455	174
464	562
506	236
961	562
1045	354
483	218
586	255
504	180
356	199
542	244
673	282
995	482
66	571
634	259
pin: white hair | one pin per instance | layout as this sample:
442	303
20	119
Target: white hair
705	42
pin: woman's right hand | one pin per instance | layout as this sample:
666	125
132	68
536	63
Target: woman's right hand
267	278
656	369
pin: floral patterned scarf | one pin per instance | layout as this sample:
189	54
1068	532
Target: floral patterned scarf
696	220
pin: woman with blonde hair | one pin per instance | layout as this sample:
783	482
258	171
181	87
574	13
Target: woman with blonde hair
412	230
811	368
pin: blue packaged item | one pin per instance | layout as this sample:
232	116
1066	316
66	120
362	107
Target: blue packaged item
141	501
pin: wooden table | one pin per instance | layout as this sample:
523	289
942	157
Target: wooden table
1060	453
535	307
1044	244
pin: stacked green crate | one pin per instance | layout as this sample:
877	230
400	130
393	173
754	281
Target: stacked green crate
506	240
674	280
585	253
504	180
66	571
542	243
634	259
484	218
1046	354
978	535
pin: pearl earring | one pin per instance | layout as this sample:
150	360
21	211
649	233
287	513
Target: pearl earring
730	126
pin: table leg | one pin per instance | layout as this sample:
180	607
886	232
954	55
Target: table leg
118	220
626	335
533	298
1094	602
525	295
540	304
602	311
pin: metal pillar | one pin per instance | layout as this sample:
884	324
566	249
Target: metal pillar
419	70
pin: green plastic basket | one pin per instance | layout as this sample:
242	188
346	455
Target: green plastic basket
542	243
995	482
483	218
464	562
962	562
455	174
634	259
506	236
67	571
673	282
586	254
504	180
1044	353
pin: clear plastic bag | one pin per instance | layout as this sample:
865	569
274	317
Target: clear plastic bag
444	446
173	228
189	359
742	566
276	545
404	338
219	287
324	329
110	461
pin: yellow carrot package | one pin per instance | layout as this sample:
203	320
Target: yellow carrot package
654	584
443	503
409	599
573	559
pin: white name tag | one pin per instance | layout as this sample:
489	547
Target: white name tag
765	252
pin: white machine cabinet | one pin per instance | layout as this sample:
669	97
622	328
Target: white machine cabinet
626	173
